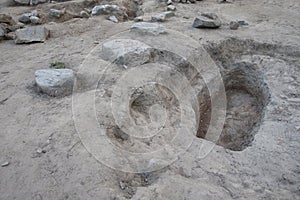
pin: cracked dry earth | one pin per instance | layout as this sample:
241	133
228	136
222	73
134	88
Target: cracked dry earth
256	157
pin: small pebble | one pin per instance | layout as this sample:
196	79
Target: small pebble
234	25
5	164
171	8
242	22
122	185
39	150
113	19
84	14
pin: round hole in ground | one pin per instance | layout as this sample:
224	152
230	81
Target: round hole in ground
247	95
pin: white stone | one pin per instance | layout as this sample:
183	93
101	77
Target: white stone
34	20
126	52
113	19
148	28
171	8
55	82
56	13
106	9
31	34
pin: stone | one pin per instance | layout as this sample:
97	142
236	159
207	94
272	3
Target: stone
242	22
39	150
113	19
126	52
144	18
168	14
2	33
22	2
234	25
10	36
207	20
35	2
7	19
148	28
171	8
55	82
34	13
107	9
158	18
35	20
169	2
31	34
25	18
161	17
84	14
15	26
138	19
57	13
5	164
122	185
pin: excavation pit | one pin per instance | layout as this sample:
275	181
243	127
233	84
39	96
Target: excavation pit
247	96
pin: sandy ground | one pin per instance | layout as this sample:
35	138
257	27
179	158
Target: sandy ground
268	169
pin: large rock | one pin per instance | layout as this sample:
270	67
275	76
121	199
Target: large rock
107	9
148	28
31	34
207	20
55	82
126	52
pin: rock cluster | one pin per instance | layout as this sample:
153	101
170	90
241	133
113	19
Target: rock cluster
8	26
27	18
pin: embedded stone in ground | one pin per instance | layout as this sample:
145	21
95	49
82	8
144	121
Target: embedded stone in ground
148	28
31	34
55	82
126	52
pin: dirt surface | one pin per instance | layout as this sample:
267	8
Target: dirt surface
45	155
